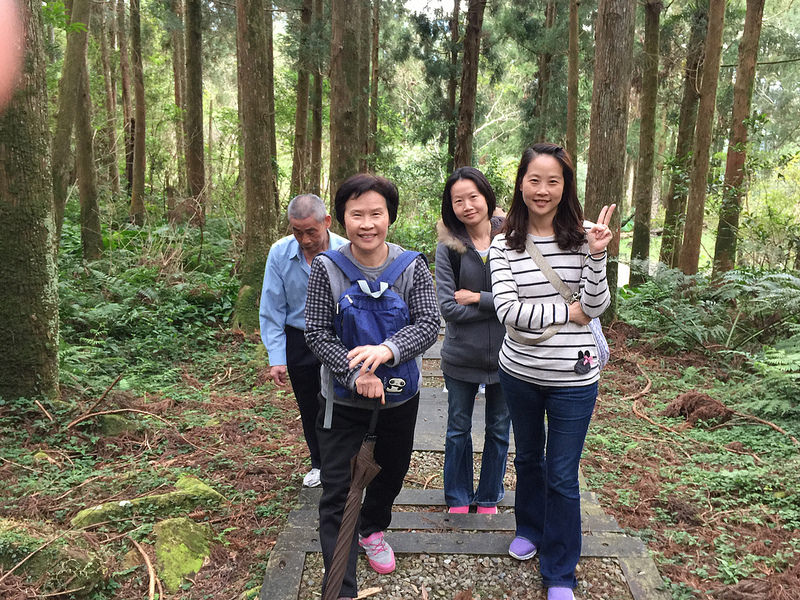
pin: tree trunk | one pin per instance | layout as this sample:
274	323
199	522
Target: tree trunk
452	86
91	237
572	83
260	217
675	202
315	176
28	275
195	164
273	142
643	193
372	144
137	213
698	184
177	37
345	96
469	84
109	128
300	155
127	104
68	90
543	89
365	38
725	250
605	176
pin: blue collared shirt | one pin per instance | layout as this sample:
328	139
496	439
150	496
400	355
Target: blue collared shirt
283	295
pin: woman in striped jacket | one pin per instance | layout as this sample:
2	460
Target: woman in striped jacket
548	364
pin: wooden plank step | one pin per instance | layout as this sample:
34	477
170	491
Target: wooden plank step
505	521
457	542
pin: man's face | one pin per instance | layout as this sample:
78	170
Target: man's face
311	234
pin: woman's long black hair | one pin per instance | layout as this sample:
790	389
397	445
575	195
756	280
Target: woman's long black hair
568	220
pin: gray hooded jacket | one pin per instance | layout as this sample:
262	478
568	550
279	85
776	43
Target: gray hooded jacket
473	335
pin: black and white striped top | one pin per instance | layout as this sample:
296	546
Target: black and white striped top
526	301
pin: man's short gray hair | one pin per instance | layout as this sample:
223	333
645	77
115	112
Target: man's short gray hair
304	206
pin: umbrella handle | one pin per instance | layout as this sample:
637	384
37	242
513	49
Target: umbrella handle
373	421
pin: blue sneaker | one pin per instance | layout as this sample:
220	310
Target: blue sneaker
522	548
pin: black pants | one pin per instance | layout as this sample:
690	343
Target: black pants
303	369
338	445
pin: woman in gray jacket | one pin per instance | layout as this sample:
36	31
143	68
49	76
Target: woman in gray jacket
473	337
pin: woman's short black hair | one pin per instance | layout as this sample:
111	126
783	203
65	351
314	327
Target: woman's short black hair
449	217
360	184
568	220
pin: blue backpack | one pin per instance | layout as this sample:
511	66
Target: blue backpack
367	313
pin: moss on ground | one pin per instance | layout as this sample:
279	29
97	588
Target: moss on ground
190	493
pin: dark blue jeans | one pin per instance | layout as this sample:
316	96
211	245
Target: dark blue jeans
548	501
458	478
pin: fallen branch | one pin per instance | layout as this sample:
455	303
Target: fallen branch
44	410
142	412
151	589
768	424
11	462
103	397
33	553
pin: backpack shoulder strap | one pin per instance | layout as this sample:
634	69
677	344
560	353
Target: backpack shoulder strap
346	266
399	264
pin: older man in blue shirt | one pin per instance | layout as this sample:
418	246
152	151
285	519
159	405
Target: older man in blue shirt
283	301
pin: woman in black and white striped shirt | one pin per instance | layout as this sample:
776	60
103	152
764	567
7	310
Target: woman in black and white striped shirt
549	374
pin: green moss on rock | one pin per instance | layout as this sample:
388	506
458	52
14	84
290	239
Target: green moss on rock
182	547
190	493
114	425
67	562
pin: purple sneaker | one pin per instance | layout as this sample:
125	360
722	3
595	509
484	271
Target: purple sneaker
560	593
522	548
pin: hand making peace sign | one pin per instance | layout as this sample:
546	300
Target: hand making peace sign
600	235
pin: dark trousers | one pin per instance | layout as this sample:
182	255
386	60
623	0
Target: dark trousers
338	445
303	369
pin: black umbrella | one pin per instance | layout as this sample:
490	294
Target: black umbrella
363	469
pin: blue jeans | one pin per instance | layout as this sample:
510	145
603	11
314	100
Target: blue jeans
458	479
548	501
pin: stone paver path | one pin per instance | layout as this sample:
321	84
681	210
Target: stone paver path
421	525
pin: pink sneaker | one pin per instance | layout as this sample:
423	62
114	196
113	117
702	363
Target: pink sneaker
379	553
458	510
487	510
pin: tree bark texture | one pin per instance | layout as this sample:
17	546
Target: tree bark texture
195	160
260	215
110	99
127	103
68	90
452	85
345	94
675	201
364	53
91	236
643	193
299	179
315	175
543	87
28	275
725	249
177	38
469	84
372	143
572	83
605	177
137	212
698	183
273	142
